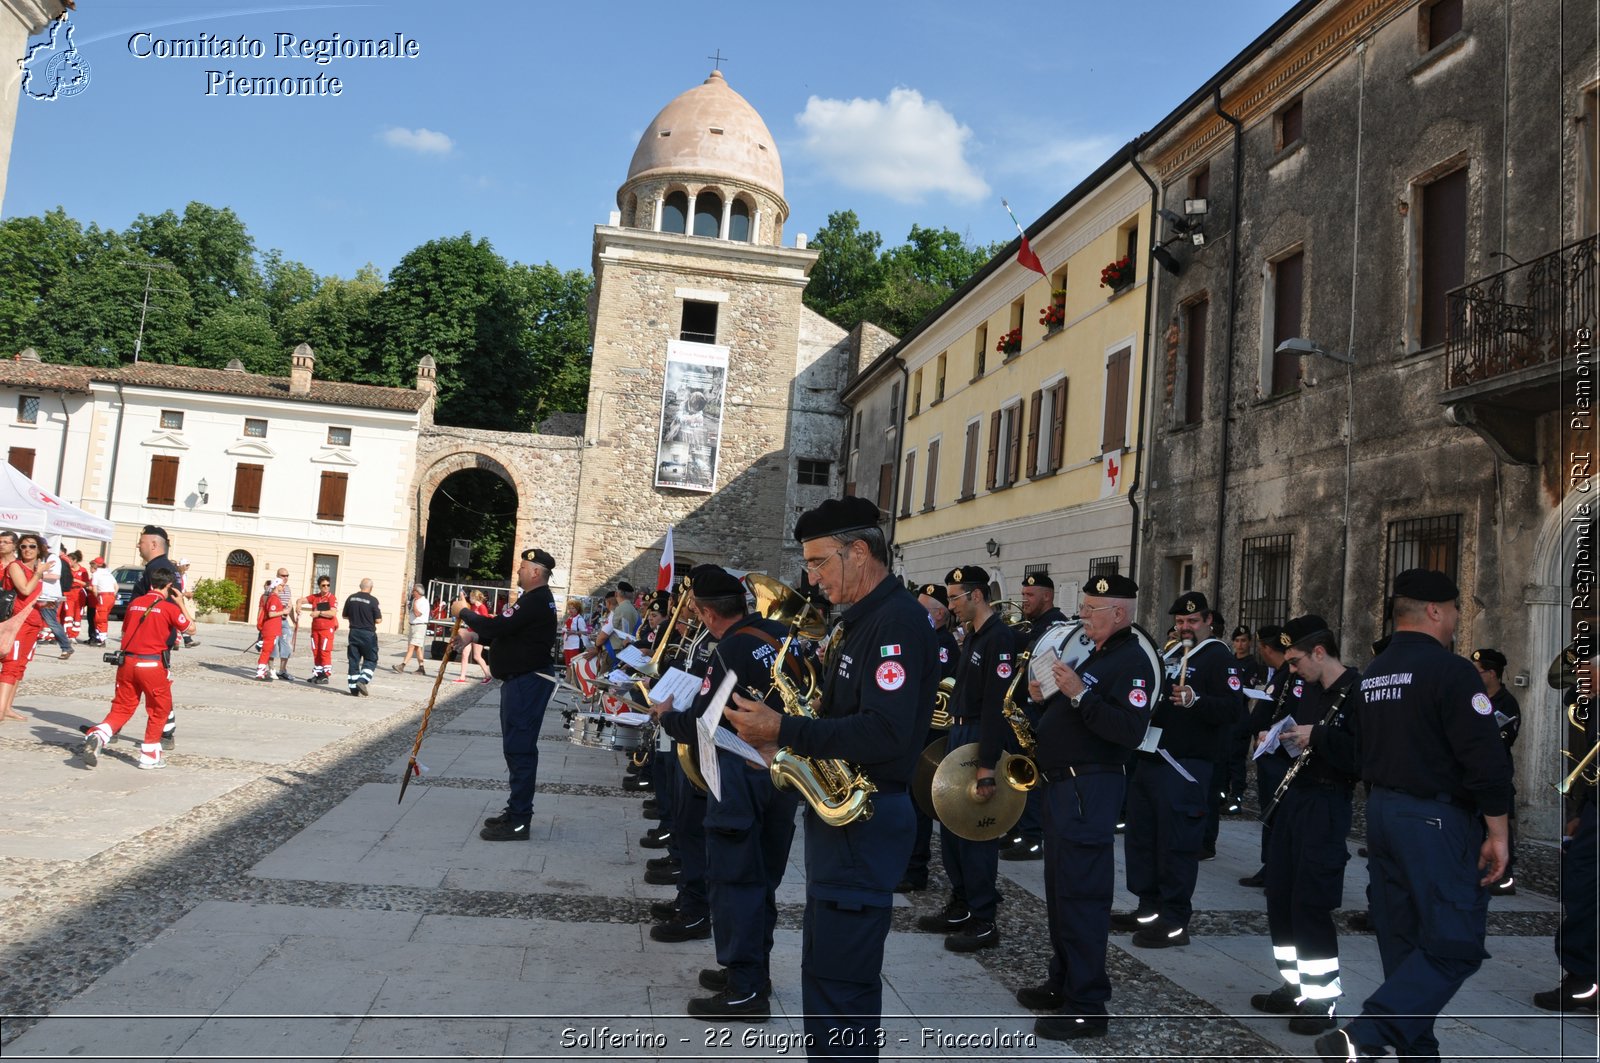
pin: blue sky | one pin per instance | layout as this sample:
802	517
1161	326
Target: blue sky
516	121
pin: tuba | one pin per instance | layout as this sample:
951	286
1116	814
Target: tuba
943	718
1010	614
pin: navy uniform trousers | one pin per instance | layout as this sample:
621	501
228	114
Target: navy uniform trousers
851	872
922	849
523	699
688	843
1580	885
664	773
972	866
1161	847
1270	770
1428	912
1305	883
1080	874
748	831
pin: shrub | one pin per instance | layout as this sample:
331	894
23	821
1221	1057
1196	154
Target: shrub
217	596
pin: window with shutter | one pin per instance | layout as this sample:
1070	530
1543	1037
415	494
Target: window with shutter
21	459
932	475
1058	425
1116	413
905	493
886	487
330	500
1194	361
247	488
969	469
1288	275
1444	251
1013	462
994	450
163	489
1033	433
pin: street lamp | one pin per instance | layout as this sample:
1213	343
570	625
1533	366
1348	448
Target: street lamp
203	490
993	548
1299	346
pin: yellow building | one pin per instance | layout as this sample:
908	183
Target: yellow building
1021	420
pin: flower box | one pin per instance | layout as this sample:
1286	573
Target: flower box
1117	275
1010	343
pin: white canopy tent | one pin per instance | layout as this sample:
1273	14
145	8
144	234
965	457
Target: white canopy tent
25	506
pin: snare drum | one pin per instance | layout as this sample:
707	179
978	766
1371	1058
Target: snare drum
1068	640
590	729
584	672
626	738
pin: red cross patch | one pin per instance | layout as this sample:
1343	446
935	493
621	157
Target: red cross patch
1003	670
891	675
1233	683
1138	698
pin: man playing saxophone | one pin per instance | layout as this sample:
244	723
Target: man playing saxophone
878	684
750	823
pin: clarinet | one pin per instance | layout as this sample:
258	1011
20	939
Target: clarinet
1300	761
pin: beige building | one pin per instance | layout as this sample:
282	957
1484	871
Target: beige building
1018	441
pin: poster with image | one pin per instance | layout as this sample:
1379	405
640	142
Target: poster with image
691	416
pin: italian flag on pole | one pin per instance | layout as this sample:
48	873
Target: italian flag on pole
664	577
1025	256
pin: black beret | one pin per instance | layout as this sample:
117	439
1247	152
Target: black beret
1301	628
1269	635
539	557
834	516
967	576
1038	579
1240	632
1425	585
624	586
1112	586
1493	660
661	602
1189	602
935	591
714	581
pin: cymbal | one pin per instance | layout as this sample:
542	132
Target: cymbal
955	800
922	778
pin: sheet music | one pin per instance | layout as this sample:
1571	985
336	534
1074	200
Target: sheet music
709	724
1258	695
1152	739
631	719
1272	742
730	741
633	657
680	685
1041	669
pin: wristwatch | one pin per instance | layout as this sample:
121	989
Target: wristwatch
1077	699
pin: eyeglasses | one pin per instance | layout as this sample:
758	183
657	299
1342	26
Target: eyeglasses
28	546
816	565
1292	661
957	597
1095	608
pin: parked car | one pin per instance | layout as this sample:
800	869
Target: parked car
126	578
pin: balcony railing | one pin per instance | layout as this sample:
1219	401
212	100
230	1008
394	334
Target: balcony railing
1522	317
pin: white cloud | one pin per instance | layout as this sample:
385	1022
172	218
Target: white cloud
422	141
904	147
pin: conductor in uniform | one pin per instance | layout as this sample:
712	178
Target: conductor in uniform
750	823
1436	821
878	683
522	638
1086	737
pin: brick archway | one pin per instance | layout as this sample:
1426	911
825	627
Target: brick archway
433	476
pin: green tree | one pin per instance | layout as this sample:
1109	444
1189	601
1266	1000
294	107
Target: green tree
337	321
91	316
848	269
240	330
286	283
36	253
210	248
553	311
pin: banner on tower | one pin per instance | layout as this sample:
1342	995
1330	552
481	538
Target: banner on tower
691	416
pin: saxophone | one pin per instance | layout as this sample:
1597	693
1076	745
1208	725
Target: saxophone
1019	770
943	718
836	791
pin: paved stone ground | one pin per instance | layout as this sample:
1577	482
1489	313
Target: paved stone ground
267	898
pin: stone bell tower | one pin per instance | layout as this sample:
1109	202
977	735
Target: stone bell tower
710	380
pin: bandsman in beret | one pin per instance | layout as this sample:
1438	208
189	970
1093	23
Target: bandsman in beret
1039	609
1491	666
1236	767
1286	691
933	598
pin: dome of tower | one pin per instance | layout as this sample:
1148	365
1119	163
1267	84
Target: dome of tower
709	129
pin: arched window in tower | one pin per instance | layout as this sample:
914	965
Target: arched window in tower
739	222
675	213
708	214
630	215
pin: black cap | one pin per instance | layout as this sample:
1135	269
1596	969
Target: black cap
834	516
1188	603
1493	660
967	576
1425	585
1269	635
935	591
539	557
1112	586
1300	629
1038	579
714	581
625	587
1241	631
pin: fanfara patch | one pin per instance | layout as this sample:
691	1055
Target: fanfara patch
1234	684
1003	670
891	675
1482	705
1138	698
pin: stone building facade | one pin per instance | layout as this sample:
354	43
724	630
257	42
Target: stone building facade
1356	173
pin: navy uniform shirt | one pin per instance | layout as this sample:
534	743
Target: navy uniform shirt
1333	742
747	655
881	670
1250	669
522	635
1199	730
1427	727
949	653
988	666
1508	714
361	609
1121	685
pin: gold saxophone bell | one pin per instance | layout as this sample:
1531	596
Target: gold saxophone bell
943	718
1586	773
776	600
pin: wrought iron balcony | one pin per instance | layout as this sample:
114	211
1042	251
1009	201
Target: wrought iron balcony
1509	339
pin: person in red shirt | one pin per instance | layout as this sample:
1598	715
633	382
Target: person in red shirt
269	622
149	623
20	555
324	609
71	610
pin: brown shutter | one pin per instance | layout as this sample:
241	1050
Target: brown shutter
886	487
1014	446
21	459
994	449
1116	413
1444	251
850	487
1033	433
330	501
247	488
1288	276
163	481
905	493
1195	363
1058	426
969	469
932	476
